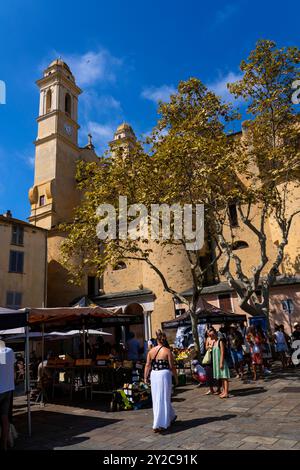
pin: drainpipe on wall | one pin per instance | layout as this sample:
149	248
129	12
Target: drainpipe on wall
146	330
46	270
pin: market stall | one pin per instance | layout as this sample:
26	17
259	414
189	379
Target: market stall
94	375
183	361
47	320
207	314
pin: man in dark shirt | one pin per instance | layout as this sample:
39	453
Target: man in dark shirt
133	347
296	332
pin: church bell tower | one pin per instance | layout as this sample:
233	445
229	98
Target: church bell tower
54	194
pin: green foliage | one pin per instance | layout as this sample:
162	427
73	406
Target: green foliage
189	159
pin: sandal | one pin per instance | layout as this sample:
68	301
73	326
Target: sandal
223	396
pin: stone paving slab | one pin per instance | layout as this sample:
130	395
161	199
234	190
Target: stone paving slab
260	440
256	416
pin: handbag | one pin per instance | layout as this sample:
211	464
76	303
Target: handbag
207	358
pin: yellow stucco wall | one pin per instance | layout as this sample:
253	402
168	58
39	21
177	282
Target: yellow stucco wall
32	282
60	291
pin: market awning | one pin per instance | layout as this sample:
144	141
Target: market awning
207	314
64	316
11	318
49	315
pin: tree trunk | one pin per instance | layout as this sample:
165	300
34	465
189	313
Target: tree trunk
194	322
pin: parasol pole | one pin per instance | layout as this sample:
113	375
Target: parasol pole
84	357
27	371
43	358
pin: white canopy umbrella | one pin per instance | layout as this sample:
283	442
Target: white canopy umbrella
78	332
13	331
19	333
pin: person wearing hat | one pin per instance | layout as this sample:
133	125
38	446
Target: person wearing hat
296	332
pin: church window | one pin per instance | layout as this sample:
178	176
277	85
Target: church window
48	101
225	302
239	244
120	265
68	104
233	216
42	200
93	286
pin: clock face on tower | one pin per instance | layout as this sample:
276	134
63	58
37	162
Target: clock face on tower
68	129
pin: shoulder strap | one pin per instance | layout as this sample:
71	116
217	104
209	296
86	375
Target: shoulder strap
157	353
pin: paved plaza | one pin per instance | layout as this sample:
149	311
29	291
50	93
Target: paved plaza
258	415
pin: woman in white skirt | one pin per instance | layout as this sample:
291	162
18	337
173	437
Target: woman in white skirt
160	363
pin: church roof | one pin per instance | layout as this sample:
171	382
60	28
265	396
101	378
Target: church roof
61	63
124	127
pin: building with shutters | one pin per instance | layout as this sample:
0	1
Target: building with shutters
23	263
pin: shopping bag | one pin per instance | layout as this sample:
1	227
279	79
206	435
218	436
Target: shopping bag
207	358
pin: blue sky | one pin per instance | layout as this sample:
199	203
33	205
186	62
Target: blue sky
125	56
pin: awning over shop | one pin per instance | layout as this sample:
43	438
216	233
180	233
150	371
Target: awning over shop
207	314
64	316
12	318
67	314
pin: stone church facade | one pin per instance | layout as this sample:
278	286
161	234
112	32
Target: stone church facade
134	286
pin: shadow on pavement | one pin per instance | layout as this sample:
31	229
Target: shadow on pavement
192	423
52	429
185	388
102	404
243	392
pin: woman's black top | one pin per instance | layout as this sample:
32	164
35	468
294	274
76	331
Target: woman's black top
159	364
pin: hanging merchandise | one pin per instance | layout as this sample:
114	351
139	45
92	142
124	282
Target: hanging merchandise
199	373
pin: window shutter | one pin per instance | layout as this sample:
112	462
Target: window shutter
18	299
13	299
9	299
20	235
14	234
20	262
12	261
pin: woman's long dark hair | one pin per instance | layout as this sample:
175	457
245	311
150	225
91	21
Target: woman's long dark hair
162	338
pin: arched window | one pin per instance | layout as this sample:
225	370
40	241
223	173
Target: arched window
233	215
48	101
120	265
238	245
68	104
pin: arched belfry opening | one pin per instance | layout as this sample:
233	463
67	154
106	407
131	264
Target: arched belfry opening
68	104
48	101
